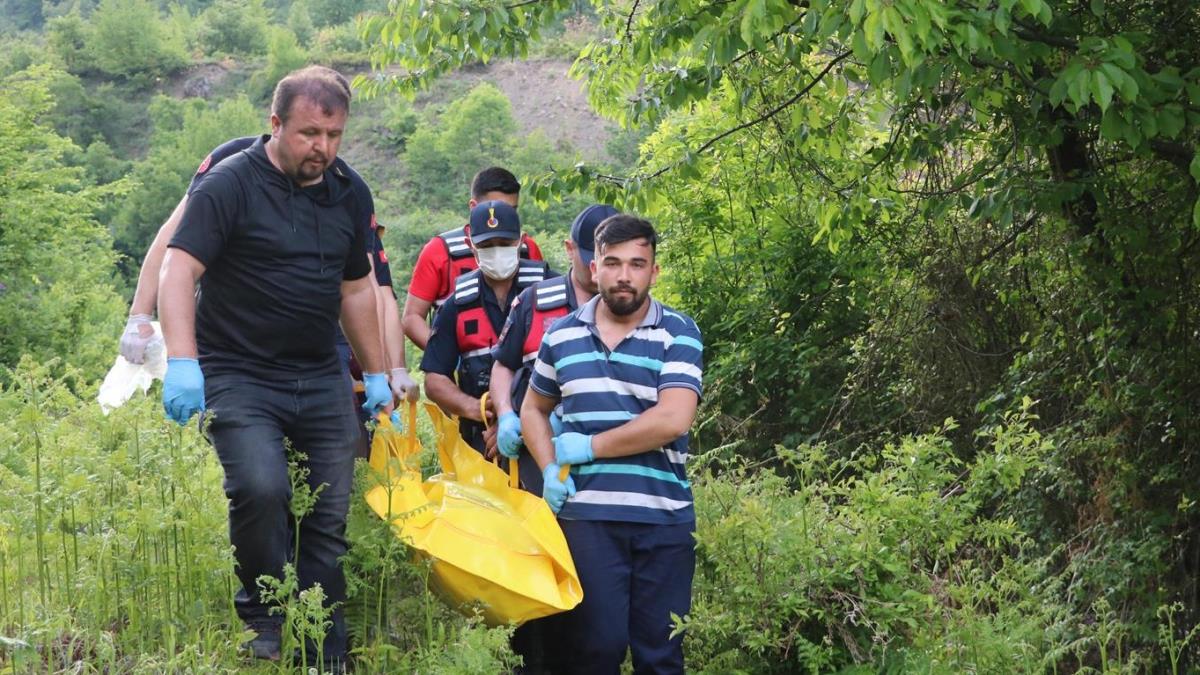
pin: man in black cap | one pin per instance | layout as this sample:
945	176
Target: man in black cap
468	324
529	317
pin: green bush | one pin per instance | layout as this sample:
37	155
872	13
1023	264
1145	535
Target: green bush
68	36
902	559
234	27
339	45
284	54
56	260
184	133
129	39
300	22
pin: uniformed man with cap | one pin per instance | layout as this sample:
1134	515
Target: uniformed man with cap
469	323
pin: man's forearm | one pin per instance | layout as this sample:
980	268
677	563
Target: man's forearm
501	385
535	427
414	320
393	333
442	391
145	296
176	287
360	322
666	421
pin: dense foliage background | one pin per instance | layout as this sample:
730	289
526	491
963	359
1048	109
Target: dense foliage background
944	256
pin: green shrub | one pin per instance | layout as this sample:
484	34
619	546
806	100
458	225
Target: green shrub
234	27
284	54
56	260
129	39
897	559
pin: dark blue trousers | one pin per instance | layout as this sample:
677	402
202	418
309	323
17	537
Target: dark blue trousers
634	575
250	420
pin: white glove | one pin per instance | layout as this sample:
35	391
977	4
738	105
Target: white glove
138	334
403	387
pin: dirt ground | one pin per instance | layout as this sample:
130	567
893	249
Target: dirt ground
543	97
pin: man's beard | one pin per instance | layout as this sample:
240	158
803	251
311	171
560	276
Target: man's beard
620	305
305	171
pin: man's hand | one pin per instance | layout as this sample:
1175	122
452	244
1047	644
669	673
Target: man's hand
489	443
403	386
573	448
555	491
509	441
378	393
138	333
183	389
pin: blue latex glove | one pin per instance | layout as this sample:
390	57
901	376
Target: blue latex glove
378	391
555	424
573	448
508	435
183	389
555	491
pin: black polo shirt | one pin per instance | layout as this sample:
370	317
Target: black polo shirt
275	256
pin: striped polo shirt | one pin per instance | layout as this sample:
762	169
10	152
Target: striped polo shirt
602	389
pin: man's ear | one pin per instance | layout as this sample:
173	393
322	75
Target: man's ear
472	203
276	124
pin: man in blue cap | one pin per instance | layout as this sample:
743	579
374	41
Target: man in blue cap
531	315
468	324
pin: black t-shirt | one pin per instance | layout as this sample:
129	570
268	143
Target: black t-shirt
364	215
275	257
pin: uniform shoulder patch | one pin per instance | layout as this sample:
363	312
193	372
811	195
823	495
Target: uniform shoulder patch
466	288
550	294
204	165
530	272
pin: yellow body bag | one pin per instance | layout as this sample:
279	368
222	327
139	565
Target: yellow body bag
489	541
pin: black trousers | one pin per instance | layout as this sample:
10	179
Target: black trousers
251	419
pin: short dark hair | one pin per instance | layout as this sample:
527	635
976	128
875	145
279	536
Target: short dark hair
323	86
494	179
623	227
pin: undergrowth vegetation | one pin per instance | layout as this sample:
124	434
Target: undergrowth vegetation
115	558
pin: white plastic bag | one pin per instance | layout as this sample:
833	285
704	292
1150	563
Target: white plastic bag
124	378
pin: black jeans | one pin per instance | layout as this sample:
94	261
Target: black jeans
251	419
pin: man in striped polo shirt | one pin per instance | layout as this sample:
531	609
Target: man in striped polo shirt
627	370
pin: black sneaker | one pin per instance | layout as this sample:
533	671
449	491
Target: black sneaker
265	644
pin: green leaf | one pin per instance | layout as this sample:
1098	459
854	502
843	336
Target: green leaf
1112	126
1102	89
1195	167
1171	120
1002	20
1077	88
1196	215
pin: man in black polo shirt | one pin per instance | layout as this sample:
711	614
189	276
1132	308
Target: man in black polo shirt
271	237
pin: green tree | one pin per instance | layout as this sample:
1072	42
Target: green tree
67	36
475	131
129	39
56	260
300	22
284	55
184	133
884	213
235	27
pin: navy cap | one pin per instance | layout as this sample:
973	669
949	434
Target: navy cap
493	219
583	230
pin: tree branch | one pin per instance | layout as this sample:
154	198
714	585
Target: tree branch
761	118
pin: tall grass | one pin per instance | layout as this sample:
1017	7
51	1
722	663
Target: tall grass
114	557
